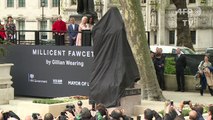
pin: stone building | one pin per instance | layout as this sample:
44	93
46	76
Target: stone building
160	22
159	18
36	15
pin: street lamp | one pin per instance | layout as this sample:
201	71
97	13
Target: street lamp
42	19
42	5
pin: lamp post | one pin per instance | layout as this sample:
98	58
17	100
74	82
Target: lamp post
42	5
42	19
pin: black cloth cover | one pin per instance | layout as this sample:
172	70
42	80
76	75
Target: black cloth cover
114	67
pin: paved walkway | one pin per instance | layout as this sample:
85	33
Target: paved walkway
195	97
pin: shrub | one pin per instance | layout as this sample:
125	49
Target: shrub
169	65
48	101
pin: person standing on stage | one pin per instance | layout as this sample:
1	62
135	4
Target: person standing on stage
59	29
10	29
2	32
73	31
82	26
180	64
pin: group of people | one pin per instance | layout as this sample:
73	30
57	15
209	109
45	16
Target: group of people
204	72
73	112
173	112
74	30
180	64
8	31
100	112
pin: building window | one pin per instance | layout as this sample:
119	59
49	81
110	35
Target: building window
193	37
21	3
143	1
73	2
10	3
43	26
21	26
45	3
192	1
172	37
55	3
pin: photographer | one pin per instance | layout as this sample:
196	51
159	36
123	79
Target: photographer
36	116
4	115
149	114
85	114
118	114
196	108
102	113
171	112
79	107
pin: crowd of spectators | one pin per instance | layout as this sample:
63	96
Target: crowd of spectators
100	112
173	112
72	112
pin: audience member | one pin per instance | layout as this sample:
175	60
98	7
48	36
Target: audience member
73	31
28	117
210	113
201	69
102	113
59	28
79	107
118	114
1	115
150	114
8	114
180	117
48	116
193	115
180	64
85	114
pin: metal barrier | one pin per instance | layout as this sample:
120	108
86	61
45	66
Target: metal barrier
45	37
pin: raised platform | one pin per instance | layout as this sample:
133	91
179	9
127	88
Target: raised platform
23	106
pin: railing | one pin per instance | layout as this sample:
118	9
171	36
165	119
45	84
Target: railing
44	37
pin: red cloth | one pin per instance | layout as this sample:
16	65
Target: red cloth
2	32
59	26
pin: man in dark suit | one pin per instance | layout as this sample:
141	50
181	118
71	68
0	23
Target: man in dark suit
180	64
73	31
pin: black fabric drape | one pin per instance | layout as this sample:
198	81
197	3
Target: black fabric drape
114	67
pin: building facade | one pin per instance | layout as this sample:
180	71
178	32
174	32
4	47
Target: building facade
159	18
162	23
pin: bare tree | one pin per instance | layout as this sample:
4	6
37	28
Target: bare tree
183	32
133	19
